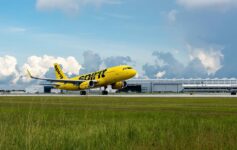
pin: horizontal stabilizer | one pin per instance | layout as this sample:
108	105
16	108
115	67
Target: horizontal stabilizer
78	82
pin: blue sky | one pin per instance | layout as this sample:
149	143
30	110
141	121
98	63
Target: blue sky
153	36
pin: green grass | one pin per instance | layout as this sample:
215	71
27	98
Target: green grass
117	123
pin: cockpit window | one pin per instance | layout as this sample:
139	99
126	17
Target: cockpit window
126	68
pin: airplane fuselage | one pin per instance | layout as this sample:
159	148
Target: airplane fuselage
104	77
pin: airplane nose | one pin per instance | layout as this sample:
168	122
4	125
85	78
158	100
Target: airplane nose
134	72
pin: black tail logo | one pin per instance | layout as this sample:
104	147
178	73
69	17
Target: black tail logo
58	71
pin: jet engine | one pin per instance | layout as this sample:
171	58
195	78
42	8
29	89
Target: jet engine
87	85
119	85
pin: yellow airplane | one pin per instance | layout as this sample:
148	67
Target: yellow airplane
114	76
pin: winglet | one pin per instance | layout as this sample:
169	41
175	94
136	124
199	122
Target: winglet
29	74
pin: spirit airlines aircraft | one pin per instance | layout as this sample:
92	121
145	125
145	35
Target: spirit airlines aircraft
114	76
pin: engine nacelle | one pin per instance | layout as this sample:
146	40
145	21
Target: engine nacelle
119	85
87	85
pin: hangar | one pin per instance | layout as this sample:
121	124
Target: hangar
172	86
182	85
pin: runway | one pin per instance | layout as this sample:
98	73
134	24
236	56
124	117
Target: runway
125	95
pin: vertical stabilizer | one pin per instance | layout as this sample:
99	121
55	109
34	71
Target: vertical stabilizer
59	73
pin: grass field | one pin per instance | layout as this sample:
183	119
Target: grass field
118	123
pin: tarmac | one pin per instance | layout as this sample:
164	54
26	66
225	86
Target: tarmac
125	95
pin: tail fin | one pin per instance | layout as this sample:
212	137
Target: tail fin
29	74
59	73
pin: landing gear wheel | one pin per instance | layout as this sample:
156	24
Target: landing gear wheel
82	92
104	92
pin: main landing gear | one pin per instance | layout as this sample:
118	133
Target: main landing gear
105	92
82	92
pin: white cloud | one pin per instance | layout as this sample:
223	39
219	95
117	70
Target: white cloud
16	29
39	66
172	15
216	4
210	59
8	67
71	5
160	74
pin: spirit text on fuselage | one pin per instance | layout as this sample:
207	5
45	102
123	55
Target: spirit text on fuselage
92	76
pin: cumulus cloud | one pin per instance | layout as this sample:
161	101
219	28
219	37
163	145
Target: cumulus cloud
169	62
117	60
39	66
7	65
151	70
203	63
8	71
210	59
216	4
195	69
160	74
71	5
92	62
171	66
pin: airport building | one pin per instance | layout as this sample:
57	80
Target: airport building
170	86
181	85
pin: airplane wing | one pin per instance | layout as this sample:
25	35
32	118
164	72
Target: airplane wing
53	84
58	80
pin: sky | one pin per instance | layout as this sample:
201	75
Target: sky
160	39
